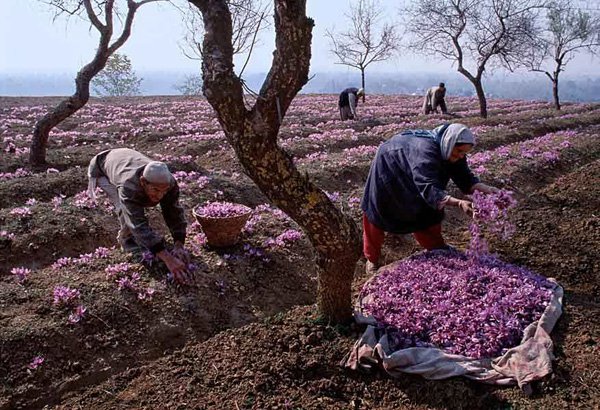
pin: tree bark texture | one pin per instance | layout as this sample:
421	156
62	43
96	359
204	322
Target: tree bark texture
554	79
481	97
555	93
362	82
476	81
253	135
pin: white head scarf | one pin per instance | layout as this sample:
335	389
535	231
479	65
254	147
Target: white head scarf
454	134
157	172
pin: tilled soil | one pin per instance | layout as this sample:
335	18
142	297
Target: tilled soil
257	342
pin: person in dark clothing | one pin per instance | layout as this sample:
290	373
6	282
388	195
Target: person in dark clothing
134	182
406	192
348	101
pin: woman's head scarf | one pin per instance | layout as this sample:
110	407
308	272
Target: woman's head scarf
450	135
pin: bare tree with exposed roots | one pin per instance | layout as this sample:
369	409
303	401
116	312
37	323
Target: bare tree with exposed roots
95	11
253	132
481	33
362	44
568	31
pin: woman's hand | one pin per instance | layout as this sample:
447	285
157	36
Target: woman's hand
462	204
466	207
486	189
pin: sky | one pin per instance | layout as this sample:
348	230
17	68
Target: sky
31	42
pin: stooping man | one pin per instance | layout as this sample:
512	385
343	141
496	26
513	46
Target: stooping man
434	98
133	182
406	192
348	102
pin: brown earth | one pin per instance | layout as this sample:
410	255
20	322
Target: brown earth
261	344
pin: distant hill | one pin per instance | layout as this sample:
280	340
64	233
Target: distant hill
518	86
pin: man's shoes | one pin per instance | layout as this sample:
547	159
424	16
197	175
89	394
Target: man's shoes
371	268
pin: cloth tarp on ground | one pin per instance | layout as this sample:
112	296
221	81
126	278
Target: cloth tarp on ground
522	364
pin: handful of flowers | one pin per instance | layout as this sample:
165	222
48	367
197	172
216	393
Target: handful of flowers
491	218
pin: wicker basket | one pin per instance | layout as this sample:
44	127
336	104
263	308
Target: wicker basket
225	231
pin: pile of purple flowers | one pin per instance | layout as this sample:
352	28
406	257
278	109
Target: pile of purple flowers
472	306
286	237
221	210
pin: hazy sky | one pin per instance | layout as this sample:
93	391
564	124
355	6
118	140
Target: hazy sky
31	42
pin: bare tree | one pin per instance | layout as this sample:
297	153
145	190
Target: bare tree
481	33
190	85
568	31
248	19
253	132
361	44
95	11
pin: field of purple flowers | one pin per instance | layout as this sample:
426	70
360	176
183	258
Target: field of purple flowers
83	325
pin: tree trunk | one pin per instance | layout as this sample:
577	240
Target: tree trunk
66	108
362	78
481	97
476	81
334	235
555	92
69	106
253	135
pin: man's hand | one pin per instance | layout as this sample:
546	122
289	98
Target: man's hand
176	266
181	253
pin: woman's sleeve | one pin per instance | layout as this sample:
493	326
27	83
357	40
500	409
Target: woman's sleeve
462	176
426	171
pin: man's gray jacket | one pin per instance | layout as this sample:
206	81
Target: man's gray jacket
123	168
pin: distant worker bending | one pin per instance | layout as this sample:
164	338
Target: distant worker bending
348	102
434	99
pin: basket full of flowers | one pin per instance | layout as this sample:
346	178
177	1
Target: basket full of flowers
222	222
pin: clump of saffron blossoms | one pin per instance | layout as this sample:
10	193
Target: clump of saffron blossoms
65	296
127	277
221	210
476	307
21	274
36	362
